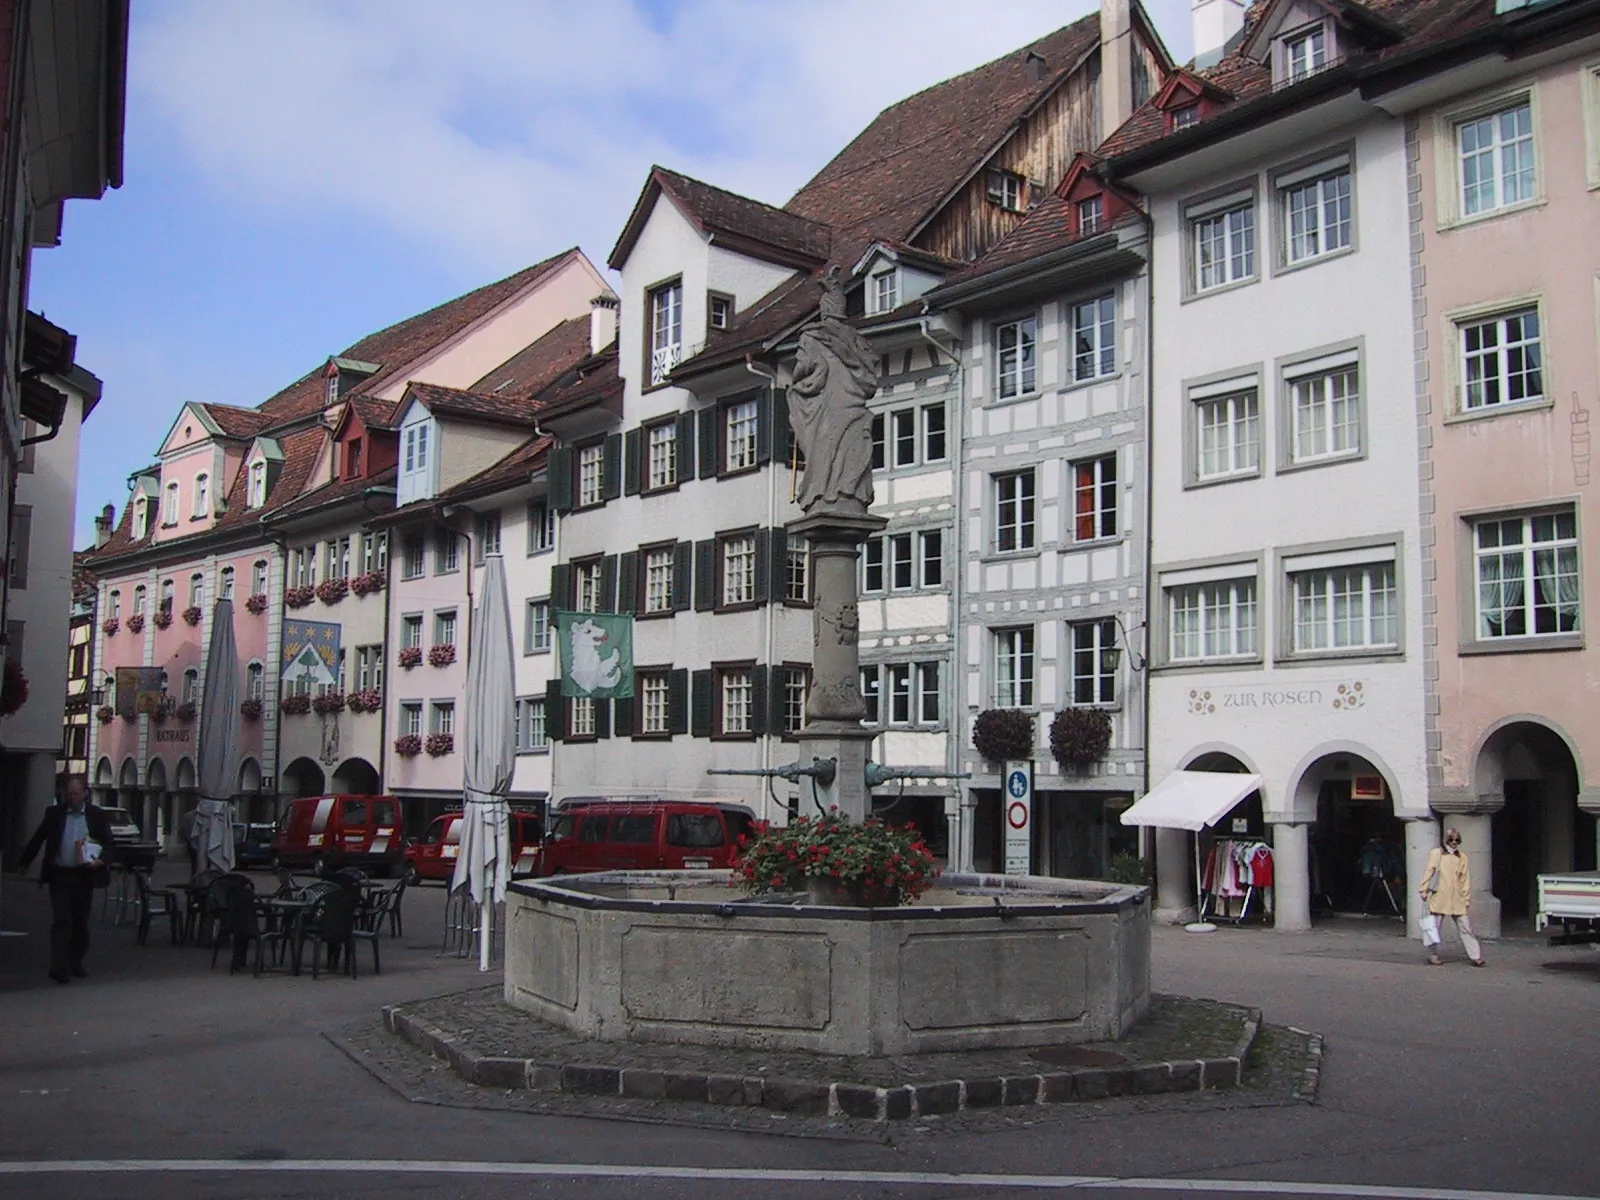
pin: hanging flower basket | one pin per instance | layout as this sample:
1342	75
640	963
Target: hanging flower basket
250	710
441	655
104	713
331	591
13	688
161	712
1003	734
295	704
299	597
162	619
408	745
439	743
192	614
329	702
187	711
111	625
839	861
256	604
367	700
135	623
410	656
1080	736
365	585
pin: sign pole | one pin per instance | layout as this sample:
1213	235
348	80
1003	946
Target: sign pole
1017	808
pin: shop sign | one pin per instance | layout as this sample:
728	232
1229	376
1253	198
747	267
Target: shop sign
1017	803
173	735
1336	697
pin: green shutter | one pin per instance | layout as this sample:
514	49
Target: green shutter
611	467
602	718
560	482
678	701
608	584
700	713
778	560
782	435
777	689
764	427
763	565
708	441
561	588
630	461
555	711
758	700
705	575
683	577
628	582
623	725
686	445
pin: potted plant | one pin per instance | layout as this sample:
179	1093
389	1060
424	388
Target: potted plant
256	603
13	688
295	704
408	745
163	618
367	700
331	591
441	655
299	597
1080	736
192	614
439	743
838	861
329	702
187	711
410	656
104	713
250	709
367	583
1003	734
135	623
111	625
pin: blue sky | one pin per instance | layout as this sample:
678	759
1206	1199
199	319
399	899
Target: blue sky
304	172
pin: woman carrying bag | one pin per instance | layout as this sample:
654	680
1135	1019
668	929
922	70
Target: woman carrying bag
1447	891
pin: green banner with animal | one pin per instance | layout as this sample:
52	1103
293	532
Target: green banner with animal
596	655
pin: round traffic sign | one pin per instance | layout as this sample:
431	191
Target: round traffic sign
1017	815
1017	784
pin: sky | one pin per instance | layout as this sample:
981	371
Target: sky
302	173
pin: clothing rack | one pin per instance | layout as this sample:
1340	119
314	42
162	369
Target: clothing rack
1234	867
1380	862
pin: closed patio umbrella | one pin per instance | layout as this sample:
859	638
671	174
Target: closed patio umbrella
484	862
218	749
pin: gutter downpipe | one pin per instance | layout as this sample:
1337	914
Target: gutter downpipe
275	675
771	379
1149	492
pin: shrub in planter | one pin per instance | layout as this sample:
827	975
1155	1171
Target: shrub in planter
331	591
410	656
192	614
13	688
104	713
367	700
111	625
256	603
162	619
136	623
408	745
1003	734
295	704
439	743
186	711
329	702
1080	736
839	861
366	584
441	655
299	597
250	710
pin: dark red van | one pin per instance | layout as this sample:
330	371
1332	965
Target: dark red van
643	835
433	856
329	832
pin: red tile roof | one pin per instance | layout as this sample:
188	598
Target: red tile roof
237	422
747	224
595	380
531	370
334	491
504	409
374	413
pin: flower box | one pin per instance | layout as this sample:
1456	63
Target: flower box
256	603
111	625
441	655
295	704
192	614
331	591
329	702
250	710
410	656
187	711
136	623
1080	736
367	700
870	864
366	584
407	745
299	597
162	619
439	743
1003	735
104	713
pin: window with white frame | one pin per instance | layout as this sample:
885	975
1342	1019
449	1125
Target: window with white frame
444	627
1094	675
1223	244
258	484
871	695
1324	413
169	507
139	594
1215	620
1317	211
411	631
797	570
446	552
1094	338
735	708
415	457
141	516
1008	189
1495	155
899	687
1016	344
1094	499
666	330
796	684
1526	572
913	693
655	689
255	682
586	580
903	436
114	602
1091	214
658	581
902	562
719	311
1187	115
413	560
1502	359
1305	53
167	588
1013	667
739	569
369	667
191	686
933	439
661	453
411	718
532	732
537	632
197	590
872	565
885	291
442	717
931	559
225	584
1013	511
739	435
202	495
541	526
581	724
336	558
1351	607
591	474
880	457
375	553
929	696
488	534
258	578
1228	435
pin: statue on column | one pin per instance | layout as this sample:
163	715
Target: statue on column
835	375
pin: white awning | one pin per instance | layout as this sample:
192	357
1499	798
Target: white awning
1190	800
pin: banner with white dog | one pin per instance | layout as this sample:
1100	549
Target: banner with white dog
596	655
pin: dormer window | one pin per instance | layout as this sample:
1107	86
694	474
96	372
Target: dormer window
1009	190
352	459
1186	116
719	311
169	504
1304	53
885	291
141	517
665	310
333	385
202	494
1091	215
258	484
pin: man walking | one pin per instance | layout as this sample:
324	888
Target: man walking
1447	891
75	836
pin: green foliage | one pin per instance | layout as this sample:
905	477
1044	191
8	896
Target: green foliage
1003	734
1080	736
885	865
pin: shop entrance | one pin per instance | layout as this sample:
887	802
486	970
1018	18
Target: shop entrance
1084	835
1541	828
1358	862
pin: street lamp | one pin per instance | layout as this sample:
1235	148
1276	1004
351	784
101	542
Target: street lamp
1111	655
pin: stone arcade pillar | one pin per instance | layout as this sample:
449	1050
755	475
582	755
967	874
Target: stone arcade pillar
1422	835
1474	830
1291	878
1174	876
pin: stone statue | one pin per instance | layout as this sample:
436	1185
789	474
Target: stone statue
835	375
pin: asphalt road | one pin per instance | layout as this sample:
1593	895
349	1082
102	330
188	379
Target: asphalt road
158	1077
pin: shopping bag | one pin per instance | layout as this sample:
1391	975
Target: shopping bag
1429	924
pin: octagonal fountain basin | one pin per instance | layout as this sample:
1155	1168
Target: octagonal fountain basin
980	961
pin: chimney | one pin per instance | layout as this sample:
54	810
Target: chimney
1116	65
1216	23
602	322
103	525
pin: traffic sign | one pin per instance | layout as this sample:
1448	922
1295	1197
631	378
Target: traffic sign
1019	818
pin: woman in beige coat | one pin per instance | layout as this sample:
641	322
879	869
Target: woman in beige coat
1447	891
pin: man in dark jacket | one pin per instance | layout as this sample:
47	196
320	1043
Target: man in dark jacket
76	837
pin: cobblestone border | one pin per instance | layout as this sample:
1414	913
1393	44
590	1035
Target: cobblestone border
834	1097
1311	1074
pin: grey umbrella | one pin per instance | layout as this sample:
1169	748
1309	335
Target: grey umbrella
218	751
484	862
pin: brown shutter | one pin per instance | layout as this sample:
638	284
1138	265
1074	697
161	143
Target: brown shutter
683	577
705	575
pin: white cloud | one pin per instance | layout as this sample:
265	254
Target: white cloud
490	133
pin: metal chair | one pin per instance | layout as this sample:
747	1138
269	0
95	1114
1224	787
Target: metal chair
153	904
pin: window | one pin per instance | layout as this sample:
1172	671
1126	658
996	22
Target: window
661	445
1185	116
1496	156
255	687
411	631
352	459
139	598
1501	360
932	558
928	693
374	553
191	686
1212	620
197	590
739	569
1091	214
913	693
796	682
1345	608
903	426
446	552
1094	338
1316	214
532	732
1513	553
1014	357
115	601
1305	54
336	558
141	517
537	634
167	589
879	458
870	695
899	693
872	565
666	330
1013	667
885	291
1093	672
1224	246
902	572
488	534
582	713
442	717
444	627
169	506
258	484
739	432
654	689
1229	435
1094	499
416	449
797	573
1013	511
591	474
1008	190
719	311
1324	416
369	667
411	718
541	526
412	561
933	444
586	578
258	578
202	495
735	702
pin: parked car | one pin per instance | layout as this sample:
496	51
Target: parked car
329	832
124	829
252	844
433	855
651	835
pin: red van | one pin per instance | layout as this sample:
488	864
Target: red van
329	832
643	835
433	856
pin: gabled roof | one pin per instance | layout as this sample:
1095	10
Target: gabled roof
743	224
334	491
595	380
236	422
911	256
374	413
536	367
469	406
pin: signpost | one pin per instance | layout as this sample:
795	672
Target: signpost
1017	803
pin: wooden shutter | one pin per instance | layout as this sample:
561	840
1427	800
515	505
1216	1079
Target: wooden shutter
782	434
764	427
758	700
560	481
683	577
628	582
763	565
560	588
777	691
700	712
705	575
608	584
778	560
686	445
623	725
555	711
611	467
631	444
678	701
602	718
709	441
